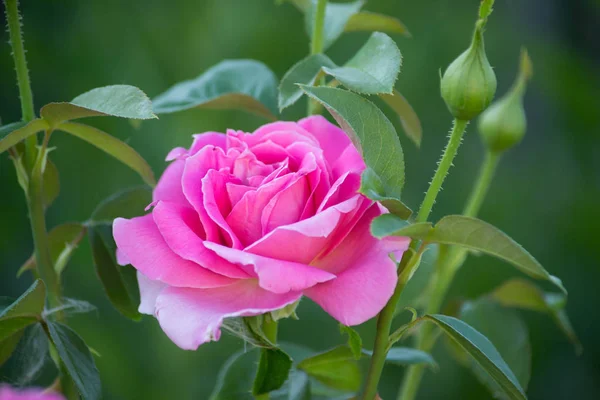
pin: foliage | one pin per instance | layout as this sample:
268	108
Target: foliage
34	326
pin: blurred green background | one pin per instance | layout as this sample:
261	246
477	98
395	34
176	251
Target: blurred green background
546	194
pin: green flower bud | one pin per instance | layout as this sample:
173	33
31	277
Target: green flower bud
469	83
503	125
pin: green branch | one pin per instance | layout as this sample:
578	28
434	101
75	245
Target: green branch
445	271
316	45
435	186
386	316
13	20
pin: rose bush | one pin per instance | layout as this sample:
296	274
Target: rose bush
243	224
8	393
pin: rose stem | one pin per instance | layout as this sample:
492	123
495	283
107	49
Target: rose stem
384	321
316	46
451	263
34	161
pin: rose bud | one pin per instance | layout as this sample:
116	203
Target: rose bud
469	83
503	125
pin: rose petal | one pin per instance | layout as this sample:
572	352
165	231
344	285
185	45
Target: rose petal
282	169
276	276
349	160
176	153
207	139
181	229
122	258
246	166
286	206
319	179
244	219
143	245
366	276
331	138
169	184
217	205
9	393
196	168
283	133
303	241
236	192
269	152
191	317
149	291
344	188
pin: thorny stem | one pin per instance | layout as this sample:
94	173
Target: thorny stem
13	20
445	271
384	321
440	175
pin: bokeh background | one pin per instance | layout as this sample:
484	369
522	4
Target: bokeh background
546	194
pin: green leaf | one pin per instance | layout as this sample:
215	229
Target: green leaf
236	377
113	146
408	118
77	358
471	233
372	187
305	72
22	173
368	21
117	100
335	368
12	134
12	325
254	334
273	370
373	69
407	356
402	330
50	175
288	311
522	294
28	358
370	131
248	85
483	352
5	302
128	203
354	340
110	273
29	304
6	129
392	225
8	345
337	16
509	335
478	235
51	183
62	242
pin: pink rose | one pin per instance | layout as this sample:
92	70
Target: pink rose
244	224
8	393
